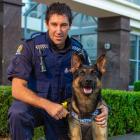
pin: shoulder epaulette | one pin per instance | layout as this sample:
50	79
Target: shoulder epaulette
36	34
76	42
37	38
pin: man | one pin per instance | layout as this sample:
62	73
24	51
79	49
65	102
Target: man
41	79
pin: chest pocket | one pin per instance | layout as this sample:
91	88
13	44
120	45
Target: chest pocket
39	65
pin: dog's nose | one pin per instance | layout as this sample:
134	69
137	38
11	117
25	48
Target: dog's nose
88	81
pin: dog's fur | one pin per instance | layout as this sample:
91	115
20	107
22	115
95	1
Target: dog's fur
86	98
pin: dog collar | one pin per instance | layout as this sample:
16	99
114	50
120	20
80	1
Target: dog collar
86	120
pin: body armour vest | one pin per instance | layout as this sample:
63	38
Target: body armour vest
46	68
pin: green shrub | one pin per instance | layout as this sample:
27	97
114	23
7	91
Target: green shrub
137	86
125	111
123	118
5	101
38	133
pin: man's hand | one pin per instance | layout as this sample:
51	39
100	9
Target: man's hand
56	110
101	119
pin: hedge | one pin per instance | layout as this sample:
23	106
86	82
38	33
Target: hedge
124	116
125	111
137	86
5	101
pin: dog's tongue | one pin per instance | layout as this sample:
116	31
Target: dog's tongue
87	90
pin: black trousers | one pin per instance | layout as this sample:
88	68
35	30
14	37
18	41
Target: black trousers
23	118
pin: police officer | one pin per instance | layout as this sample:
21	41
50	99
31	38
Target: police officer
41	79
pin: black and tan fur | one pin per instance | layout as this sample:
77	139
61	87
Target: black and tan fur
83	104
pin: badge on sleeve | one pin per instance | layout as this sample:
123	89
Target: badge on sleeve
19	50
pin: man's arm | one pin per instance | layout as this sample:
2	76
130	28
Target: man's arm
22	93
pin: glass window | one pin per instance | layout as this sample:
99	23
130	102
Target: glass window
139	71
132	72
135	1
139	49
133	47
89	42
134	59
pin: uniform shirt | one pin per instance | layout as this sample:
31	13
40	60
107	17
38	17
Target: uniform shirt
44	67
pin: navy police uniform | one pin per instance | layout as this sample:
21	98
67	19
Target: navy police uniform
46	70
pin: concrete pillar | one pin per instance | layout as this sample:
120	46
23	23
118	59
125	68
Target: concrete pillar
10	33
116	32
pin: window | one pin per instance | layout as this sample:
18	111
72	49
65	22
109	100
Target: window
135	1
134	59
90	45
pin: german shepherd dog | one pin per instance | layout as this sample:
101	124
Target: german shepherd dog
86	99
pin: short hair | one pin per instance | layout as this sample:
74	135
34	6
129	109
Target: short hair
60	9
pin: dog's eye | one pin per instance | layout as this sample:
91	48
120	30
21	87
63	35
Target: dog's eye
82	73
93	72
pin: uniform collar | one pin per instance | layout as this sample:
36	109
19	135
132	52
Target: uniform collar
54	47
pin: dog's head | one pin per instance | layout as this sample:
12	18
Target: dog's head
87	79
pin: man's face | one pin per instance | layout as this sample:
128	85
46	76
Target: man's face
58	27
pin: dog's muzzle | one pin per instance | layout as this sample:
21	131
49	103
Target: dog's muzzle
88	86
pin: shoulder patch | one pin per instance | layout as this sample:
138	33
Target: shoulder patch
19	50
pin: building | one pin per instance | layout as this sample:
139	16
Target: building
103	26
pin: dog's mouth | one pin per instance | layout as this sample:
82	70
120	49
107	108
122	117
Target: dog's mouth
87	89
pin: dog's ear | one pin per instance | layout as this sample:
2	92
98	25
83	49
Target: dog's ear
101	62
76	62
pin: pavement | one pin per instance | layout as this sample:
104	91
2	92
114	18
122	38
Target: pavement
126	137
